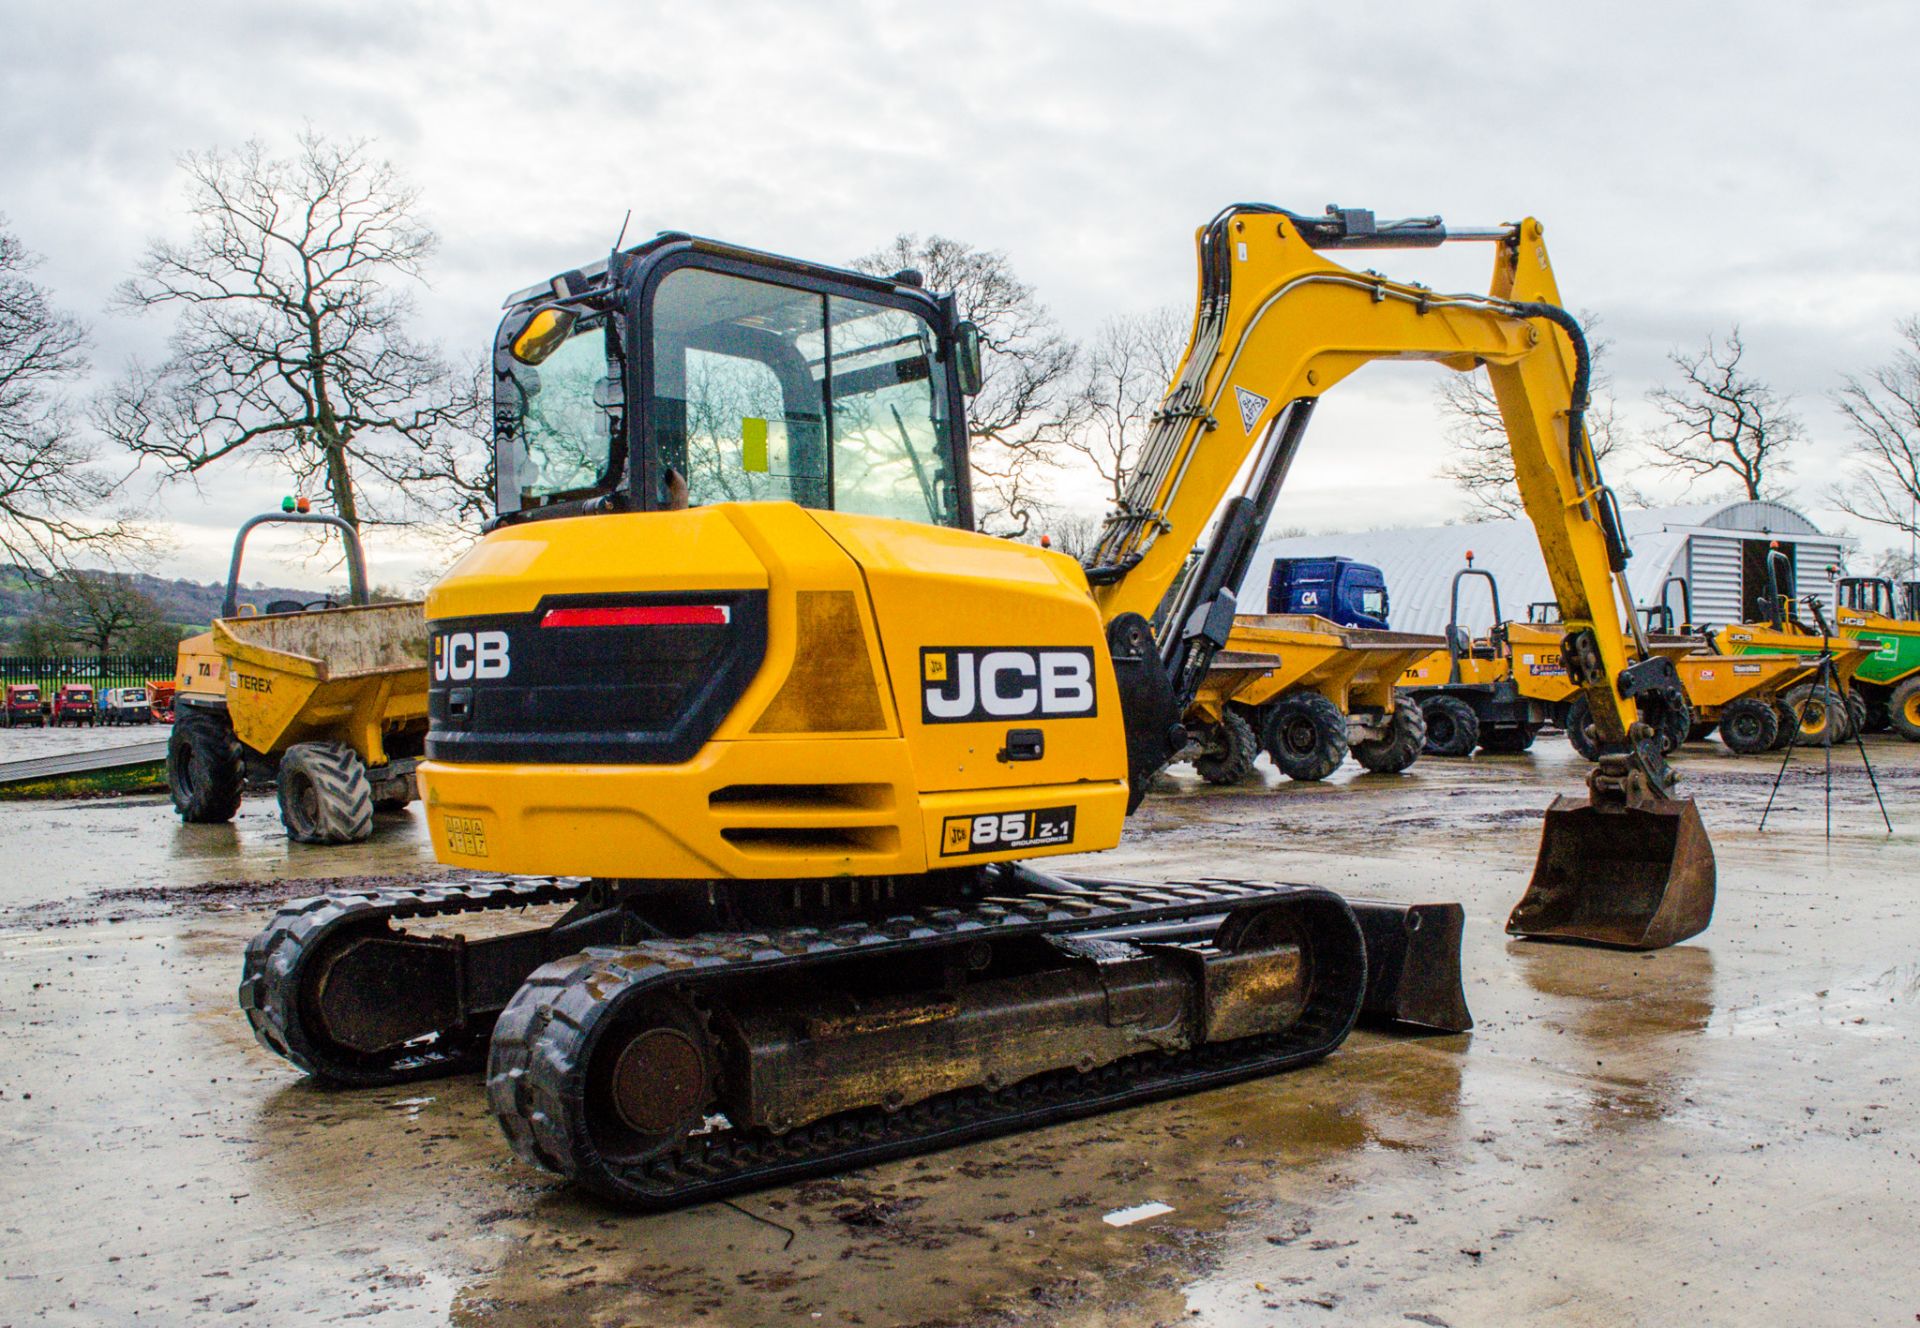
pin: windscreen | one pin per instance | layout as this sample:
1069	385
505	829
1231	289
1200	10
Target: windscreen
770	392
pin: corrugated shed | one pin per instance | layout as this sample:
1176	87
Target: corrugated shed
1666	541
1713	573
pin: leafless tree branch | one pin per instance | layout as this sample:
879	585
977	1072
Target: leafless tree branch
1724	422
290	338
1025	409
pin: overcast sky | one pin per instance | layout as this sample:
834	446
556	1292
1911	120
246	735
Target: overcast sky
1694	165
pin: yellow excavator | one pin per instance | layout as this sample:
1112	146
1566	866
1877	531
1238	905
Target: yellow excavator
734	686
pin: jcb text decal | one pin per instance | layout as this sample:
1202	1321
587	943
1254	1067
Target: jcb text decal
458	656
980	684
997	831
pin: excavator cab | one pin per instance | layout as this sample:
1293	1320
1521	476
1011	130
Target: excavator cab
685	373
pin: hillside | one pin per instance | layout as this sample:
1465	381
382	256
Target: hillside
184	602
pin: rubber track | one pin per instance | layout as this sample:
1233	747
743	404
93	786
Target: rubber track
537	1062
278	958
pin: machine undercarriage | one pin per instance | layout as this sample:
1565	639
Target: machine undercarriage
790	1034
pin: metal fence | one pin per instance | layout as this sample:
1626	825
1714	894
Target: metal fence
51	671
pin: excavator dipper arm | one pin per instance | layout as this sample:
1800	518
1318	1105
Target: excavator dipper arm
1276	325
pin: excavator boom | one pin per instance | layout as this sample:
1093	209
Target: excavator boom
1277	324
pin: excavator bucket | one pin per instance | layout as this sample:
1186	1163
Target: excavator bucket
1637	874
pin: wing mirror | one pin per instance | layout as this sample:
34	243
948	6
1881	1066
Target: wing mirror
966	346
543	334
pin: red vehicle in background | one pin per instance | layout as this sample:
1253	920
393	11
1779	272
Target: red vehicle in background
162	694
74	704
22	706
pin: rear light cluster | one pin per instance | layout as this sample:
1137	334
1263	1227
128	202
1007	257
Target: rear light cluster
640	615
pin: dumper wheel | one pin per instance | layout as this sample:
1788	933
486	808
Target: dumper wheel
1785	721
205	773
1453	729
1856	715
1820	713
1749	726
1510	740
324	794
1669	713
1232	748
1406	739
1903	709
1306	736
1879	715
1579	726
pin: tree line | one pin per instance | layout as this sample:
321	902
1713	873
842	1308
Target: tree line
291	309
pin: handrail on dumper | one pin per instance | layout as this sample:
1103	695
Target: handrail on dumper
356	558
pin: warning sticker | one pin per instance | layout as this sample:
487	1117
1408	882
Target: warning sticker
1252	404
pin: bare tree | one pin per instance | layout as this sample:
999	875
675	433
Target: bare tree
1896	564
1722	421
97	611
1025	407
291	339
1126	373
1883	412
48	486
1482	462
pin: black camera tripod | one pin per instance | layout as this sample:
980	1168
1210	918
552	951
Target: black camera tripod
1825	676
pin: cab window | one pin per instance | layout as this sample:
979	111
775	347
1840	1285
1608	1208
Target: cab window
769	392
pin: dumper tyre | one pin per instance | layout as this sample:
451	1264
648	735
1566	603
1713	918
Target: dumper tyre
1453	729
1406	739
1820	715
1579	726
205	770
324	794
1785	721
1856	715
1749	726
1903	709
1669	714
1232	748
1879	715
1306	735
1507	740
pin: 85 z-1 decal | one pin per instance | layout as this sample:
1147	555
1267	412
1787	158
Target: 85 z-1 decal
995	832
980	684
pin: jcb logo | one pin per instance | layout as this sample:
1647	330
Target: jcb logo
961	685
459	656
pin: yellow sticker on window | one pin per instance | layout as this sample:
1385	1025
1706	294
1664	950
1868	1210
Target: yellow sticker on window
753	445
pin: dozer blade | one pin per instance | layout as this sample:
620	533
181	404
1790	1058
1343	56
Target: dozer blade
1637	873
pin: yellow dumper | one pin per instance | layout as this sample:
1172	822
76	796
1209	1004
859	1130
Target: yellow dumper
1309	691
327	701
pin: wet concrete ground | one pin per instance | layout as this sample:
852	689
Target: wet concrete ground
1722	1133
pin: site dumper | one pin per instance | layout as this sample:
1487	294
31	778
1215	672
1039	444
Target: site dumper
74	704
126	705
328	701
21	706
1821	714
1497	692
1330	693
1888	681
